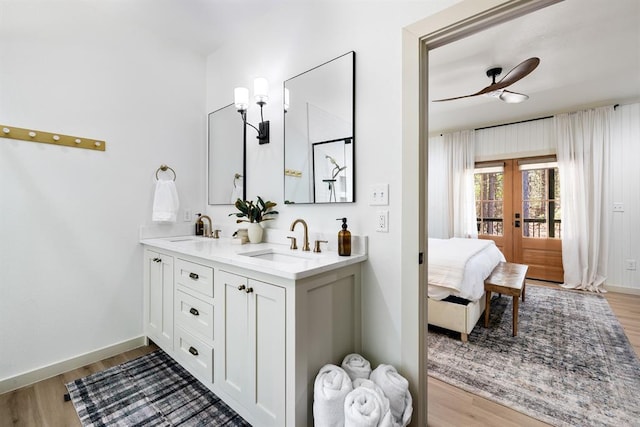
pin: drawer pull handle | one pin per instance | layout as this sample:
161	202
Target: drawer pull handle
157	260
249	290
193	351
241	287
194	311
194	276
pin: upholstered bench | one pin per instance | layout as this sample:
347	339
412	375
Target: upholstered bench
507	278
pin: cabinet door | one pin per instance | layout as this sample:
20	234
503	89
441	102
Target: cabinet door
232	373
267	367
159	298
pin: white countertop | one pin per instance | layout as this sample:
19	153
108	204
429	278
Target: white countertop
286	263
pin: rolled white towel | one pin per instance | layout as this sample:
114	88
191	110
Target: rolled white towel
356	366
367	406
396	388
331	386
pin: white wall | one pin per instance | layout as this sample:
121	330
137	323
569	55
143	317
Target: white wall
294	40
70	262
537	138
625	188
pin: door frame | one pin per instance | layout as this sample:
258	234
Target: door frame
454	23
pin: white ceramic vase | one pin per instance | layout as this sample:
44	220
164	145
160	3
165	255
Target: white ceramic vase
255	231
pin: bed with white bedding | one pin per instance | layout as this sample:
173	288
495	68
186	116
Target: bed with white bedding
457	268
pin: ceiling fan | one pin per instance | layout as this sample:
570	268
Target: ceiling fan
497	89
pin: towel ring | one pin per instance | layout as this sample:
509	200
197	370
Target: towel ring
164	168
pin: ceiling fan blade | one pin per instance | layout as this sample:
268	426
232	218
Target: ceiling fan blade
519	71
487	89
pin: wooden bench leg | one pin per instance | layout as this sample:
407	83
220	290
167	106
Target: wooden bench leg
516	301
487	307
464	337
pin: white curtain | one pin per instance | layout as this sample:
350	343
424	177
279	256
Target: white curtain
583	143
460	148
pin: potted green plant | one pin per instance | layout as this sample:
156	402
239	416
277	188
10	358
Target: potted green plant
254	213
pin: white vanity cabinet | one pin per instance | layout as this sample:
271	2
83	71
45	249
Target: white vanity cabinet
254	331
251	365
158	298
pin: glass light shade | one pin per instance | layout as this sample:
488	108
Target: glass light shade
286	99
241	98
261	90
512	97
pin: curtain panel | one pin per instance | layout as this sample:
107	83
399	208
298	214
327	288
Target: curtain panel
584	144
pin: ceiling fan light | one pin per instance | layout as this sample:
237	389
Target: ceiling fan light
513	98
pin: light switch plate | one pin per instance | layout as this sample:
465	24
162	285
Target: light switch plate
379	195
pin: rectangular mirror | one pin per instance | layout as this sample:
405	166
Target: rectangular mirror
319	126
226	157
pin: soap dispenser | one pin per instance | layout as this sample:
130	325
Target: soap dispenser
344	239
199	225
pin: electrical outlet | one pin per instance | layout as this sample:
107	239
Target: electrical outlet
618	207
379	195
382	221
630	264
187	215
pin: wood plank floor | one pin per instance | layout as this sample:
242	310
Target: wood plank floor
42	404
450	406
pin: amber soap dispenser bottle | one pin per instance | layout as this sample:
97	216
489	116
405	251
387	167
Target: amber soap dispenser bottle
344	239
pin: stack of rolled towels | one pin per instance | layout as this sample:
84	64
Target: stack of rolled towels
352	395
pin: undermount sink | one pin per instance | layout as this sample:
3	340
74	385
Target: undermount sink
275	256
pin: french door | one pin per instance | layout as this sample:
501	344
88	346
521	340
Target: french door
518	207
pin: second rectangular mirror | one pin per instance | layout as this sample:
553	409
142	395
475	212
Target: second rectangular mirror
226	157
319	133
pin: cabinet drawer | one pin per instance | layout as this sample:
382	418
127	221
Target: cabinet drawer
195	354
194	315
194	276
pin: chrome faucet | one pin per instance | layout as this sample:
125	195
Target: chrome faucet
305	245
207	230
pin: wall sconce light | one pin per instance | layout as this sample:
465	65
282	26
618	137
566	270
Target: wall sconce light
261	95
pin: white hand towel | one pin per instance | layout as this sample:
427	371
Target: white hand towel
165	201
332	384
367	406
356	366
396	388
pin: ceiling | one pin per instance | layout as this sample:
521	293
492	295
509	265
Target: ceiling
589	54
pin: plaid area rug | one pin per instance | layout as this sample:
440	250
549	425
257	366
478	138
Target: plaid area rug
570	365
152	390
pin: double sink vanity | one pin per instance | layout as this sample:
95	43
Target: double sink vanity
254	323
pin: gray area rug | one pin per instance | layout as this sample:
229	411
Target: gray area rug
570	365
152	390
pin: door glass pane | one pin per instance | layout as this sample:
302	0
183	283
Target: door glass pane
489	190
541	203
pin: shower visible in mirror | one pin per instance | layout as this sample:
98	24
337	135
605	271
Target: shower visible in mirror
226	157
319	133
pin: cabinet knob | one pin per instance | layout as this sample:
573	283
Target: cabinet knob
194	311
157	260
193	351
194	276
249	290
241	287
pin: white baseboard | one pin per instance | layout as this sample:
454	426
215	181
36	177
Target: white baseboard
622	289
63	366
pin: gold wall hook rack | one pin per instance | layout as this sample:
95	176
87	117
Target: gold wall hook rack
13	132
